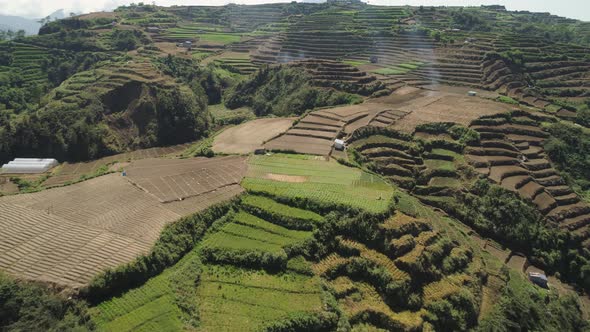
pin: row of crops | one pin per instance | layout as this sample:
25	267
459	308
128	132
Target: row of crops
26	60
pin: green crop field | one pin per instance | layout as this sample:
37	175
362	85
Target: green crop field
273	207
250	233
151	307
325	181
233	299
221	38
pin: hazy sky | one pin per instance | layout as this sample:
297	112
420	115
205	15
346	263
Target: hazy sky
579	9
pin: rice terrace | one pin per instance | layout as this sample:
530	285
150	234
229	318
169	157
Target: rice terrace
295	166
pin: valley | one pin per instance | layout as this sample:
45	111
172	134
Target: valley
331	166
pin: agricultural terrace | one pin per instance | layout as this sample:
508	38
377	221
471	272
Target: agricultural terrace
301	176
434	106
227	296
67	235
249	136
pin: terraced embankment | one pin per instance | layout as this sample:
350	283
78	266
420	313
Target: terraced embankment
315	132
263	252
511	154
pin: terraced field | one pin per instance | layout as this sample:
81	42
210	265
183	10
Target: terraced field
511	154
315	132
326	181
67	235
72	172
177	179
250	136
405	239
229	296
28	60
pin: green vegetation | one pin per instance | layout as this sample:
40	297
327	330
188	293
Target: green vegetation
507	100
222	38
283	91
176	240
282	214
238	298
224	116
30	307
306	177
313	245
400	69
525	306
568	147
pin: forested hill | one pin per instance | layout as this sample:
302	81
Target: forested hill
104	83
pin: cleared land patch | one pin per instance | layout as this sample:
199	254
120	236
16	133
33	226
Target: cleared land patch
67	235
176	179
250	136
444	107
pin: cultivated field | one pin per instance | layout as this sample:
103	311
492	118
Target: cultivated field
67	235
505	141
177	179
250	136
306	176
72	172
435	106
315	132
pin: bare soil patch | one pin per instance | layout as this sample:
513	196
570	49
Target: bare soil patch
95	15
171	48
285	178
251	135
445	107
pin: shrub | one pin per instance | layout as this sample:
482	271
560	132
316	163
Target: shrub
25	306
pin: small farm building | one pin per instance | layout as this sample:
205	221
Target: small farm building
472	93
153	29
339	144
538	278
187	44
29	165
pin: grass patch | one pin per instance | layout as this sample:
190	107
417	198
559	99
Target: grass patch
282	210
400	69
507	100
444	182
439	164
221	38
224	115
355	62
327	182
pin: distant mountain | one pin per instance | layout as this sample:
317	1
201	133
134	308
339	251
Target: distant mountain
30	25
16	23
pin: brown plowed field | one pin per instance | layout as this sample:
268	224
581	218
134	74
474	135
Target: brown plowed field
69	234
72	172
201	202
300	144
251	135
446	107
66	235
176	179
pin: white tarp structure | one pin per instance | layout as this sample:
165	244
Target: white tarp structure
29	165
339	144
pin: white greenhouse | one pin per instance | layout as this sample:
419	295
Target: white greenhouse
29	165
